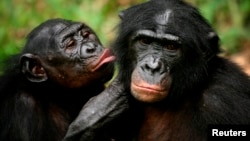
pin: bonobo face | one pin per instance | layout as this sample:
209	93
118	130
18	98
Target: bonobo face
155	53
165	45
71	54
85	58
154	48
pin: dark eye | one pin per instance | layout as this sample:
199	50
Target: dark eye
86	34
145	41
171	47
71	43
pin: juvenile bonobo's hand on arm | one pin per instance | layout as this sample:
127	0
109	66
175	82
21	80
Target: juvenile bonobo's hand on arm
98	112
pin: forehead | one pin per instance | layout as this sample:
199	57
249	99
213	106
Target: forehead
163	21
164	17
161	16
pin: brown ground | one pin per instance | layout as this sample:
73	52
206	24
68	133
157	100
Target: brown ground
242	58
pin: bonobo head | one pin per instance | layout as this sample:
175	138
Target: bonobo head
66	53
163	48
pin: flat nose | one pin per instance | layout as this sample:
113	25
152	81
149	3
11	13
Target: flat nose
152	65
89	49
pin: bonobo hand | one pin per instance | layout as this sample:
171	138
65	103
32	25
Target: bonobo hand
98	112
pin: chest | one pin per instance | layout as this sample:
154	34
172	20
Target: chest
167	126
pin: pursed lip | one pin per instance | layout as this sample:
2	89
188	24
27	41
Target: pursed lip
105	58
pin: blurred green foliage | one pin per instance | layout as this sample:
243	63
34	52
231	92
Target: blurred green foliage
19	17
230	18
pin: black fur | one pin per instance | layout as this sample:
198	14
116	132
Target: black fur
217	90
35	106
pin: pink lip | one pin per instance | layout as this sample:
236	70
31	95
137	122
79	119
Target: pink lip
106	57
147	87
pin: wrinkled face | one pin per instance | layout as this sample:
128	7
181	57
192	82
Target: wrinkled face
168	45
78	58
155	53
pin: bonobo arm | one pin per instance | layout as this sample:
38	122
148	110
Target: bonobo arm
98	112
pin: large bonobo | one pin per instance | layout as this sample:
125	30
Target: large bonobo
168	61
62	66
168	57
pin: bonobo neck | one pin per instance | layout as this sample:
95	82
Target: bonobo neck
51	92
161	124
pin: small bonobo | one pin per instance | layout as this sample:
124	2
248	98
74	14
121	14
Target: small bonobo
62	66
168	61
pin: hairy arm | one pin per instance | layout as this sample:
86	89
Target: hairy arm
98	112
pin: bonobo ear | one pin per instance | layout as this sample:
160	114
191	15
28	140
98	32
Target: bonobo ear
31	67
213	41
121	14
